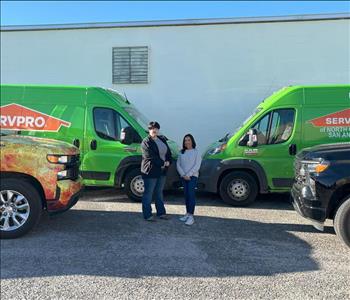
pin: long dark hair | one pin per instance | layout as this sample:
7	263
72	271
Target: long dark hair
183	142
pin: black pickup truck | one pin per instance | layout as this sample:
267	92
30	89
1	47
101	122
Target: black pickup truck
322	187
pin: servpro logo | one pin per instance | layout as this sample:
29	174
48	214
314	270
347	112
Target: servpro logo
337	119
17	117
335	125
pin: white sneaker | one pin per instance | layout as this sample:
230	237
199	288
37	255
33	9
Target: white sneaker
184	218
190	221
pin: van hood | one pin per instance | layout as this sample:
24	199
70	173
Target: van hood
211	147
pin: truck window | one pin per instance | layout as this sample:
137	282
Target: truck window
282	124
275	127
104	120
262	127
108	123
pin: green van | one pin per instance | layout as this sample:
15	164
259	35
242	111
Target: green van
258	156
106	127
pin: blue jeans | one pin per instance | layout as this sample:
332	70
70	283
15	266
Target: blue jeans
153	187
189	189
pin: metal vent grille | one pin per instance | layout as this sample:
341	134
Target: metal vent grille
130	65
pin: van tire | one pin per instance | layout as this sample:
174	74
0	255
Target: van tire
238	188
31	197
342	222
133	185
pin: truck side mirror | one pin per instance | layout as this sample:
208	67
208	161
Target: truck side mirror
252	138
128	135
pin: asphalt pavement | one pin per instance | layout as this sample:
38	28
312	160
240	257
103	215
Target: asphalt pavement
103	249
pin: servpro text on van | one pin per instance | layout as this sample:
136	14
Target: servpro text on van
104	125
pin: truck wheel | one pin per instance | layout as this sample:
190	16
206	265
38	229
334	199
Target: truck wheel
342	222
134	186
20	208
238	189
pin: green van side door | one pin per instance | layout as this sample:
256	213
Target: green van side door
278	139
103	150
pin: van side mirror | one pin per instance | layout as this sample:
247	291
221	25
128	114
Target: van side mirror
252	138
128	135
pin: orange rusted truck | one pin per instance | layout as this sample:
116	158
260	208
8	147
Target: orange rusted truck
36	174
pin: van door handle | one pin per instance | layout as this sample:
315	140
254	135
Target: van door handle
93	145
292	149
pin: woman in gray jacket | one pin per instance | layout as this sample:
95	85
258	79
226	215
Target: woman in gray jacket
188	164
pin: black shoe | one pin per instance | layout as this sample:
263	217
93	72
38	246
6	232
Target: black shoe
151	219
164	217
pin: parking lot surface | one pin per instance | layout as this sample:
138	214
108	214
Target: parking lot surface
102	248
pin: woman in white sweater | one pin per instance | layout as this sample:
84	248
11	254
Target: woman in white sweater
188	164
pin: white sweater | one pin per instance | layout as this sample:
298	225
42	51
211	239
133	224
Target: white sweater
188	163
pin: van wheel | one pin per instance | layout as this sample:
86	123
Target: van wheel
342	222
134	186
20	208
238	189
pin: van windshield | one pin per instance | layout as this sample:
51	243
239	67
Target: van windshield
138	116
230	134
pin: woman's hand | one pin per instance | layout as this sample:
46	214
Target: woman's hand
188	178
166	164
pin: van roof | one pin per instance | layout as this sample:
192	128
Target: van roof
318	86
122	101
279	94
52	86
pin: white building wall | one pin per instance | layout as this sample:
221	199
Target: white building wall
202	79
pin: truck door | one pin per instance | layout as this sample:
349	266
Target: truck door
277	145
102	146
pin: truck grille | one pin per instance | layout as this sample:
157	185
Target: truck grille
73	167
74	159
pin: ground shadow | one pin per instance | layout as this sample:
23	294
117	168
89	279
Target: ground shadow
266	201
122	244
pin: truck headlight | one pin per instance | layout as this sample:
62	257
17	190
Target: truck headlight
218	149
62	175
313	167
308	170
58	159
